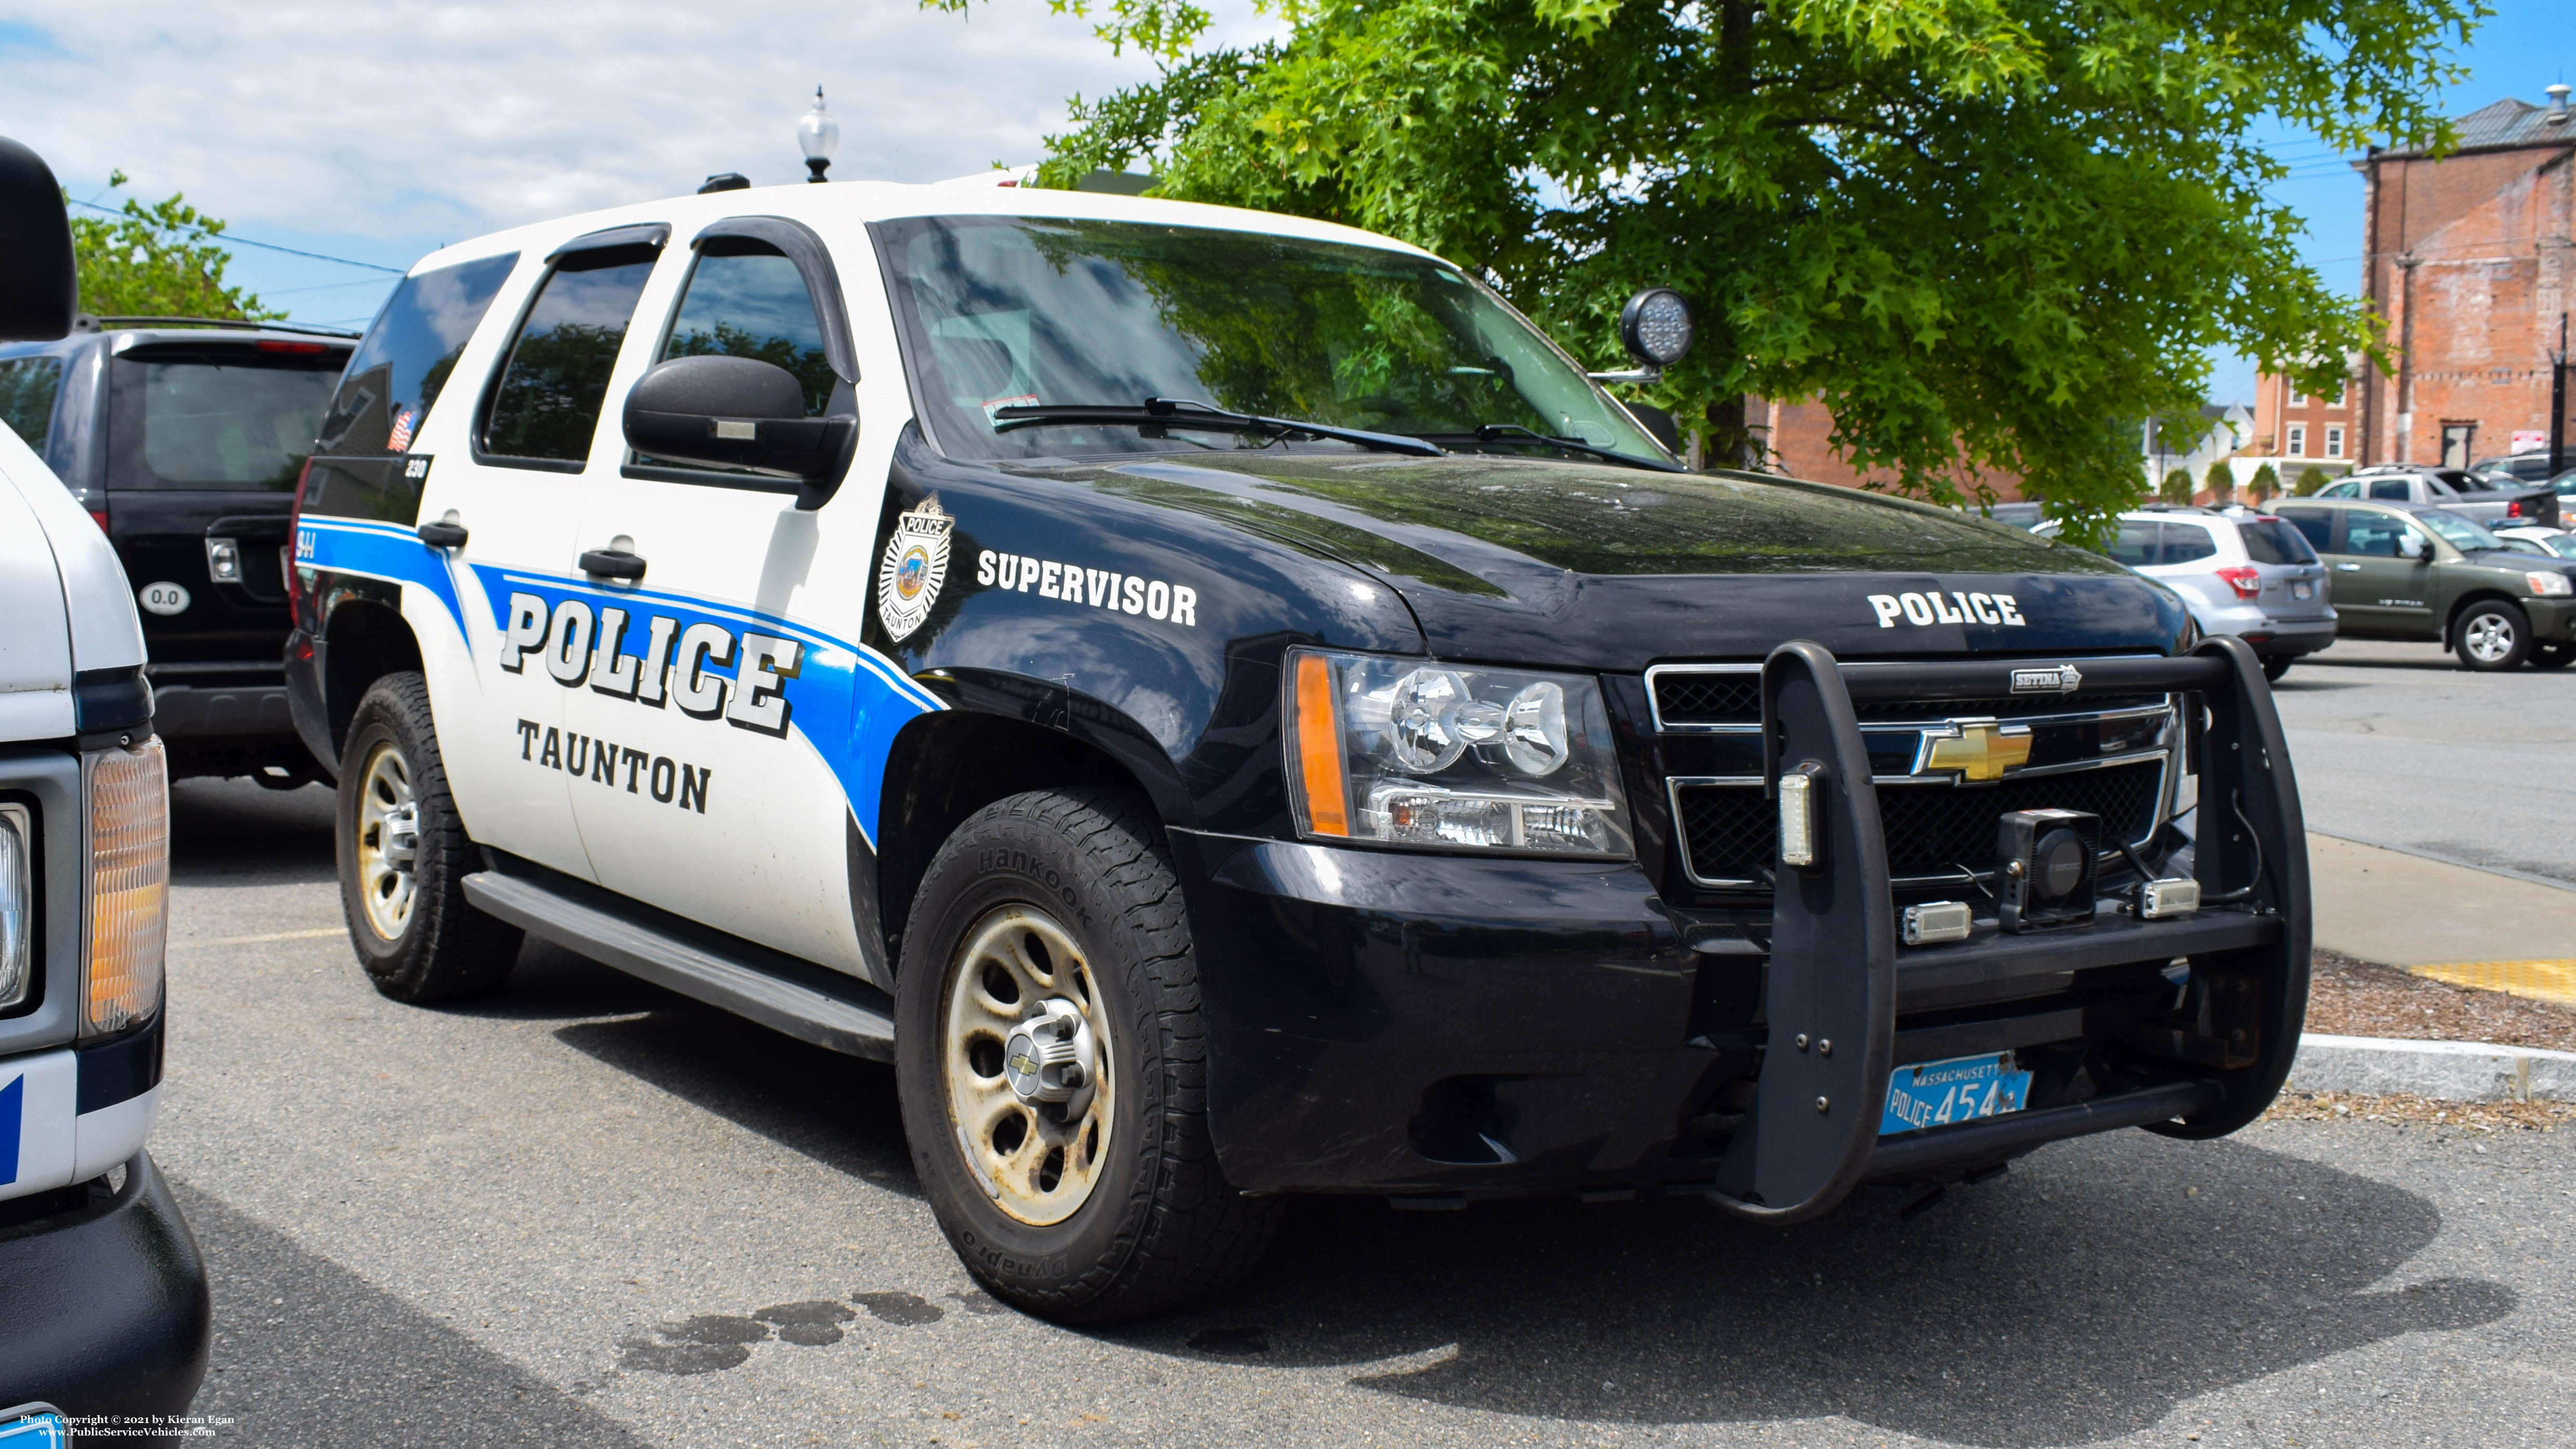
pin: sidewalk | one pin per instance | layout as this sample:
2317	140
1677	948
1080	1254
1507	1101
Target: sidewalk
2448	922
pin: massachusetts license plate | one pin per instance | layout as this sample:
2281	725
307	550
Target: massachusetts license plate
2303	589
1935	1094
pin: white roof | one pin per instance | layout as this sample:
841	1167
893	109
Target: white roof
839	209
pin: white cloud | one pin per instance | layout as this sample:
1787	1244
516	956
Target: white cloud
405	121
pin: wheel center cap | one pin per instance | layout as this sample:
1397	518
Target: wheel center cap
1050	1057
402	836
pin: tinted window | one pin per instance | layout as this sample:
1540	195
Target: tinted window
547	403
2393	489
744	299
2185	542
2373	534
2274	541
407	355
2135	544
27	386
2558	543
2345	489
201	419
2316	529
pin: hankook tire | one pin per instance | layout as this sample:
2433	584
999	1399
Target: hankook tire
404	856
1049	933
2493	634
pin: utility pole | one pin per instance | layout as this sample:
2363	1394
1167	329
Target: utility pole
2558	402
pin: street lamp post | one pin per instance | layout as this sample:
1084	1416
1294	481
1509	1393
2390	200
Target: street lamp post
820	134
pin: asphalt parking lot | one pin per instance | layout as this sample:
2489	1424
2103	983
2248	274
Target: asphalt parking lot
592	1213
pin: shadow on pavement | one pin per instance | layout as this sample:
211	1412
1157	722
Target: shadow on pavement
307	1352
839	1111
235	832
2079	1299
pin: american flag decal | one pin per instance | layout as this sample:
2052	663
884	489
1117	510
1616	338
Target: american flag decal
399	441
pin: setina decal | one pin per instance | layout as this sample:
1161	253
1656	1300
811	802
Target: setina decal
915	565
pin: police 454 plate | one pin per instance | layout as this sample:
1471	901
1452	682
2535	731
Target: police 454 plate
1935	1094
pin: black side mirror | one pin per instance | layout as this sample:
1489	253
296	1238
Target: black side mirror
740	412
39	286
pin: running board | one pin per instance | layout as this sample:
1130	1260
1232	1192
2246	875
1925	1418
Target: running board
854	1018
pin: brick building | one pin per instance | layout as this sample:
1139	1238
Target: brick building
2295	430
2469	260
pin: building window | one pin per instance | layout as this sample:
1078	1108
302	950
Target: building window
2339	392
2334	442
2298	441
2298	399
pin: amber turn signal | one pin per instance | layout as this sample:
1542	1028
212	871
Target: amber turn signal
129	885
1323	781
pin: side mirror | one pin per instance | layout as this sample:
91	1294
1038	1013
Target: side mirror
39	286
739	412
2410	544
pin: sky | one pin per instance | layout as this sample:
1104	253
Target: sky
376	133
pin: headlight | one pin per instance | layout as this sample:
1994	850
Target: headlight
129	885
17	903
1404	752
2548	585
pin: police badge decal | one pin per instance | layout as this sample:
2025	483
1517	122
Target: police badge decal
916	563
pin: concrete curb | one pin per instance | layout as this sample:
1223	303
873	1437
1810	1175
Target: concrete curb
2458	1070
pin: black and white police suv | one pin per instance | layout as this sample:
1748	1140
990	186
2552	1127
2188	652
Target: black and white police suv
1228	709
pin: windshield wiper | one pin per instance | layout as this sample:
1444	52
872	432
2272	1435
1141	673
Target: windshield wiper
1183	413
1513	435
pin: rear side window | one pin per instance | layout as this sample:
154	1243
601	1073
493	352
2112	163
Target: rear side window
546	405
207	418
2135	544
2393	489
2274	541
2314	529
2185	542
407	355
27	387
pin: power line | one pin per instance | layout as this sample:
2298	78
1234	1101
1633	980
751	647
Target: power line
245	241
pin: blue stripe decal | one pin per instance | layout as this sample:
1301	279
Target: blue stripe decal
385	551
13	1102
845	700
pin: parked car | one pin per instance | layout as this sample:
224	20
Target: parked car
2528	469
183	440
2555	542
2477	496
2019	515
2239	572
103	1300
2413	571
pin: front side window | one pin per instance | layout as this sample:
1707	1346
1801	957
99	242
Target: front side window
746	299
2349	488
2374	535
546	406
27	387
2392	489
998	312
215	418
407	355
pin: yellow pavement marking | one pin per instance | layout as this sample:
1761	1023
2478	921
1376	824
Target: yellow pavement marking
271	936
2551	981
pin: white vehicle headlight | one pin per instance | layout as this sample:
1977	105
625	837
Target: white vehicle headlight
17	904
2548	585
1406	752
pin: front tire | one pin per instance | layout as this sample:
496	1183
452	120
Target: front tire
1048	935
2274	666
2494	635
404	856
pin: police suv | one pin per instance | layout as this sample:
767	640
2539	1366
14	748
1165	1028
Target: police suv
1228	709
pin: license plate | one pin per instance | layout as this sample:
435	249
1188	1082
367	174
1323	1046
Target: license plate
1935	1094
2303	589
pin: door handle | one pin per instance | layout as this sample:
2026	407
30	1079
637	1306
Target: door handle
613	563
442	535
2347	568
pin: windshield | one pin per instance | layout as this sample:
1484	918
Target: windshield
1001	312
2458	532
2558	545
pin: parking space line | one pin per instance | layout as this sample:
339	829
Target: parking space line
270	936
2550	981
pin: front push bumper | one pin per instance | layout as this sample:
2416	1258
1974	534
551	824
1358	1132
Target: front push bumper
106	1298
1445	1028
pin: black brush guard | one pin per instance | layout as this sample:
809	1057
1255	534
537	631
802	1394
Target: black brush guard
1836	969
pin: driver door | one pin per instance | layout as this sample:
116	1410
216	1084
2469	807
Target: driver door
2379	586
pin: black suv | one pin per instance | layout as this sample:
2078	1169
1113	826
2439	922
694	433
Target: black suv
184	439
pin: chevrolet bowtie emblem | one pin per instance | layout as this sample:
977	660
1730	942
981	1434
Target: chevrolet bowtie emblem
1979	749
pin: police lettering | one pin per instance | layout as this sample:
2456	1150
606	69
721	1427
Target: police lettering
604	762
1092	588
655	659
1955	607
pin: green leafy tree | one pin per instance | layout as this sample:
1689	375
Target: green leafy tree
160	260
2264	484
1986	233
2220	480
2312	478
2177	488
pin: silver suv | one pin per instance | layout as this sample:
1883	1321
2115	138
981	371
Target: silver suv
2240	572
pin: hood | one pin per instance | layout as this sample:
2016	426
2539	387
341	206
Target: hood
1591	566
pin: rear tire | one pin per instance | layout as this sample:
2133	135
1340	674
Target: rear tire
2494	635
2553	656
1063	907
404	856
2274	666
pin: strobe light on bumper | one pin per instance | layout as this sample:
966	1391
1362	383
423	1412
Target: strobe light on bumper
2044	868
1403	752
